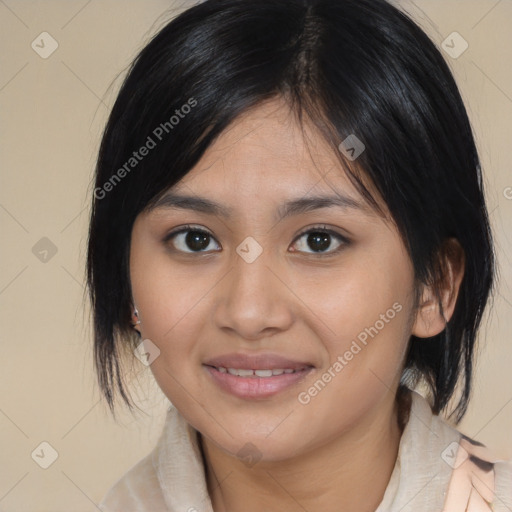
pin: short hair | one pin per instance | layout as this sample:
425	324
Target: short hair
351	67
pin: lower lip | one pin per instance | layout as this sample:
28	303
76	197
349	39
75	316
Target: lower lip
256	387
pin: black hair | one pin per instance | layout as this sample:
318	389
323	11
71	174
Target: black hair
352	67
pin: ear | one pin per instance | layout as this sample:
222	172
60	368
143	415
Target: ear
434	311
135	319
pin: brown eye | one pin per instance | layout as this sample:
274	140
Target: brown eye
190	240
320	240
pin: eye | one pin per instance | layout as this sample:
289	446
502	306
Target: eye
320	239
189	239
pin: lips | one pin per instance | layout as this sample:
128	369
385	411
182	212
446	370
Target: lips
263	361
256	376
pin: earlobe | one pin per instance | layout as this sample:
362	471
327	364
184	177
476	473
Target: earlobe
429	320
135	319
434	311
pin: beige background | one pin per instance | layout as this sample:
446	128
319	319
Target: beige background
53	111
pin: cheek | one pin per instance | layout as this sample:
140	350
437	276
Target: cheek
367	311
362	312
176	303
170	301
170	319
362	294
166	293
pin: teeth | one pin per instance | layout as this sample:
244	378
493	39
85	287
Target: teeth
257	373
263	373
241	373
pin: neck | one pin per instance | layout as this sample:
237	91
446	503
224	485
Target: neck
350	472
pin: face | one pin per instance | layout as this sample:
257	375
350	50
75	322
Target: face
320	293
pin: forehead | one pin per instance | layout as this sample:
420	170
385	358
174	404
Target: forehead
266	147
266	156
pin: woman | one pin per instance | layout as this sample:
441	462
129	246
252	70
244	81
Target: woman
289	228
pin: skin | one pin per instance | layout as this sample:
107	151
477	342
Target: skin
194	306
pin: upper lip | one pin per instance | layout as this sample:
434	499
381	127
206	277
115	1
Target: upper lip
262	361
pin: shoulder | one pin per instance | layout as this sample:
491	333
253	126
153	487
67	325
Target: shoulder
138	490
447	470
171	477
479	480
503	486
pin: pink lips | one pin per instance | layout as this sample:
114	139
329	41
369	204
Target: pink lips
254	386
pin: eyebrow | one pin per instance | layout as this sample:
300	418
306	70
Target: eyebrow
172	200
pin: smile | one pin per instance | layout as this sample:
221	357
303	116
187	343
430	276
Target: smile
256	373
251	384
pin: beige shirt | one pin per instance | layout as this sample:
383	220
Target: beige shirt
433	458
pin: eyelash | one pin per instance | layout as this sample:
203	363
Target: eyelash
315	229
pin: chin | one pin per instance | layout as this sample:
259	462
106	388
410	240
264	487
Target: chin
250	445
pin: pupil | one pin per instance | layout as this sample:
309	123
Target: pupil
321	238
196	240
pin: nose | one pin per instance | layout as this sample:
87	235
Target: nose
254	302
